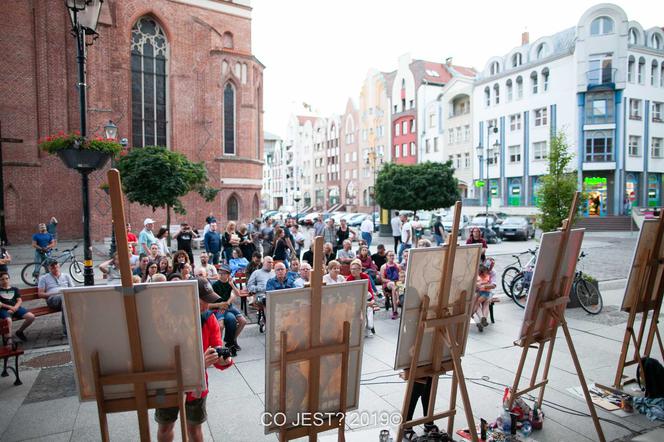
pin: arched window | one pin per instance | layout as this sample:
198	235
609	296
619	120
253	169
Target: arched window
487	96
229	119
641	71
149	54
653	72
541	51
656	41
661	75
496	93
233	208
533	82
630	69
601	26
545	79
519	87
227	40
495	68
516	60
633	36
255	207
508	85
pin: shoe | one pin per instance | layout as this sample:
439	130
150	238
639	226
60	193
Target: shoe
485	323
395	315
373	331
21	336
237	347
480	327
232	350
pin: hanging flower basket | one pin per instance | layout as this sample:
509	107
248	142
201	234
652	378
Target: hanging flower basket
80	153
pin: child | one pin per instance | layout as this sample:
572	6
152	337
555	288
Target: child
484	286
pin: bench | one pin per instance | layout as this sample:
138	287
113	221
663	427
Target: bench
31	295
240	281
8	350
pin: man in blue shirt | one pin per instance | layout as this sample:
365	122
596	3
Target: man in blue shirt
212	243
43	242
146	238
282	280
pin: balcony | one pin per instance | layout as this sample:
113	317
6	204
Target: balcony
601	77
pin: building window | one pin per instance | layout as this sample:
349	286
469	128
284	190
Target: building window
516	60
149	55
412	126
633	36
466	160
466	133
540	116
515	122
601	26
656	147
233	209
494	68
458	134
435	144
515	154
533	81
634	146
653	73
508	86
413	149
487	96
229	119
404	127
541	51
496	93
396	151
634	109
404	150
657	112
599	146
427	146
432	119
540	151
641	71
519	87
656	41
451	136
396	129
630	69
412	104
545	79
354	156
457	164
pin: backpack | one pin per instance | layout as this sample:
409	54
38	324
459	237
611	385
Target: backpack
653	374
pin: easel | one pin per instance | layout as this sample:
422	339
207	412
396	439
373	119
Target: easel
313	354
141	402
443	324
643	303
555	310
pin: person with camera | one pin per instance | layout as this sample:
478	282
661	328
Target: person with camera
184	238
228	315
215	355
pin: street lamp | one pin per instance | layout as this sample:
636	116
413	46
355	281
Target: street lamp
297	197
489	150
111	132
84	16
372	158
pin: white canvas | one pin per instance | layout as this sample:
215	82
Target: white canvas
289	311
542	284
637	272
168	315
423	278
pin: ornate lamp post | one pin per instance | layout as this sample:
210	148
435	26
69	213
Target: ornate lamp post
111	132
490	128
372	158
84	16
297	197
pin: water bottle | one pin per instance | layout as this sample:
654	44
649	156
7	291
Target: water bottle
526	428
507	422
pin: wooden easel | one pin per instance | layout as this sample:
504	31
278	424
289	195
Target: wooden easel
643	304
139	377
313	354
555	310
443	324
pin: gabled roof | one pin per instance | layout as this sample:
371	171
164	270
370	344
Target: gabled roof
302	119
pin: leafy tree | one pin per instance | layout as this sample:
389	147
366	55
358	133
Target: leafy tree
556	192
157	177
425	186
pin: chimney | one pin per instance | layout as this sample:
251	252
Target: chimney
525	38
448	61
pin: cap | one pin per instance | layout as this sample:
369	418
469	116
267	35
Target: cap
205	292
224	268
148	221
50	262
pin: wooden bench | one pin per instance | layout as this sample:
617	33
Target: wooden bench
240	281
7	351
31	295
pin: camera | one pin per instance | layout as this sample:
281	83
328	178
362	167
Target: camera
223	352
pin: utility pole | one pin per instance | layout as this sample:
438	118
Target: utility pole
3	230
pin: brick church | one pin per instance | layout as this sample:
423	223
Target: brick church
175	73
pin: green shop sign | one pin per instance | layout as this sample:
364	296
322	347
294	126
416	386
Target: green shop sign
479	183
594	181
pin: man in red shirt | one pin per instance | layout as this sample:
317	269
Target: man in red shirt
195	406
131	239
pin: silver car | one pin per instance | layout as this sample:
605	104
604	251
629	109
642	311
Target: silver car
517	227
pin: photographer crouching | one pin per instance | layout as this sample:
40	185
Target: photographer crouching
214	354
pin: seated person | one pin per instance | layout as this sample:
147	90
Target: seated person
345	255
356	274
334	275
389	274
328	253
483	299
10	307
380	257
237	263
50	288
208	266
256	285
111	269
255	264
282	279
230	318
304	277
368	265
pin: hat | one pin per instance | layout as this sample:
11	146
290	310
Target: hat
50	262
224	268
205	292
148	221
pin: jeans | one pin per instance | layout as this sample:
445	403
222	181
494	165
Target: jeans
438	239
402	248
230	325
55	302
397	240
214	257
366	236
39	257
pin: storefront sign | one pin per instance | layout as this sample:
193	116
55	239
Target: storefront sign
594	181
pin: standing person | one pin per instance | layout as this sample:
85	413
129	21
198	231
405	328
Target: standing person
212	243
195	411
406	235
50	288
254	230
184	237
396	230
280	247
43	242
319	226
10	307
344	233
230	240
52	228
246	244
366	228
161	236
208	220
267	235
5	259
132	240
228	315
418	229
299	240
439	233
146	238
330	232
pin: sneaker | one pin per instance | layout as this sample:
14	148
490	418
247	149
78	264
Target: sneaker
237	346
21	336
232	350
485	323
373	331
480	327
395	315
367	334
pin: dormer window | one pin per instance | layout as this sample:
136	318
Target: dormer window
495	68
633	36
601	26
516	60
656	41
541	51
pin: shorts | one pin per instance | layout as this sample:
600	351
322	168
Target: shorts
18	314
485	294
195	411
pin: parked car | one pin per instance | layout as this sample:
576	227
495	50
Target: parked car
448	220
425	219
269	214
517	227
481	221
356	219
308	219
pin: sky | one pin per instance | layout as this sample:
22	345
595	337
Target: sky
319	52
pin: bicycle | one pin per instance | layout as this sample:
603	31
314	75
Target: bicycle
67	256
514	269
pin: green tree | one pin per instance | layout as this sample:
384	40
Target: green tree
425	186
556	192
157	177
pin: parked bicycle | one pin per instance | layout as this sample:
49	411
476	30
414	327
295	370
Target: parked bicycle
588	295
515	269
30	278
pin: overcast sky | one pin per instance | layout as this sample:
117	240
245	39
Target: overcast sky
319	52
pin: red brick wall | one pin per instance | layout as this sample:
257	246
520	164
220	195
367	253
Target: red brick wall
399	140
38	96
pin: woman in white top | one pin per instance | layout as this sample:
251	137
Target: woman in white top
334	275
162	243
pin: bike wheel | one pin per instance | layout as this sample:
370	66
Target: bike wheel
28	277
589	296
519	291
508	276
76	271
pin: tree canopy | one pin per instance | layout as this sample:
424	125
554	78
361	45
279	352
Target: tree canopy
424	186
157	177
556	193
